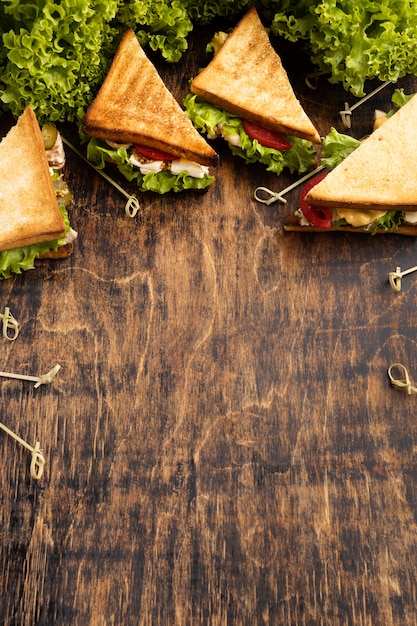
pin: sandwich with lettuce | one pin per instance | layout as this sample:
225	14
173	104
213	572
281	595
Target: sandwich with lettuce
368	186
33	198
135	123
244	95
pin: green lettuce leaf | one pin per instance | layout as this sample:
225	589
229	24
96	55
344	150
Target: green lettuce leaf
353	41
390	221
54	55
163	25
17	260
99	153
205	117
336	147
398	99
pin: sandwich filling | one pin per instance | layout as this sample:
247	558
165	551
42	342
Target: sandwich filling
152	169
327	218
248	140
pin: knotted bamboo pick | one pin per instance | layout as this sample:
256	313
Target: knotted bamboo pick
272	196
401	383
38	460
346	114
9	322
132	205
39	380
395	277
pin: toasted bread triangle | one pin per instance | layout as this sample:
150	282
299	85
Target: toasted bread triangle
29	211
133	105
381	174
246	77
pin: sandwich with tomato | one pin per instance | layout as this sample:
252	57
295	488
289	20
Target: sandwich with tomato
136	123
244	96
373	189
33	198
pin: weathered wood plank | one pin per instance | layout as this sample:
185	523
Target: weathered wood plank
222	443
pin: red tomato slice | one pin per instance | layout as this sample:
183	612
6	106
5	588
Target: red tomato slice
266	137
320	216
154	153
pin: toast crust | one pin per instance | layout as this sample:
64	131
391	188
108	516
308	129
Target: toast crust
292	224
133	105
381	173
29	211
246	77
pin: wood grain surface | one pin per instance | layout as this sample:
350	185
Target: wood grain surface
222	442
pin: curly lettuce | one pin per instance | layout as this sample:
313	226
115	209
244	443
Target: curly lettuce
55	54
206	118
398	99
353	42
99	152
164	26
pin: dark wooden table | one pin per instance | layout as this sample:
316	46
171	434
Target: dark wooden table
222	442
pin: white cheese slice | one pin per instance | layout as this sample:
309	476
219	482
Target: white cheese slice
193	169
410	217
176	167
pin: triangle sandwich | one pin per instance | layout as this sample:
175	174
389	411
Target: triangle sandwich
31	216
374	189
246	77
29	211
133	107
381	173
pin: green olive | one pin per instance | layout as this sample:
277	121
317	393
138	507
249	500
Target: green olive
49	135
